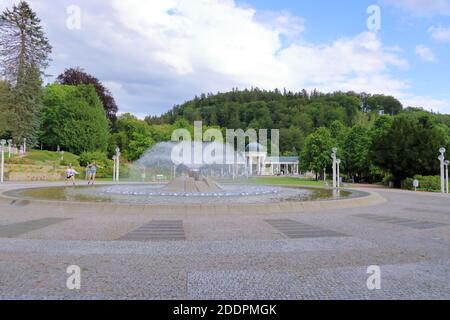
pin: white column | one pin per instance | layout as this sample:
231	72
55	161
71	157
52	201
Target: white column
258	169
117	164
118	168
250	165
9	148
114	168
338	163
442	160
2	164
447	163
333	156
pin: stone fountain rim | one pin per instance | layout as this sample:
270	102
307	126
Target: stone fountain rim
368	199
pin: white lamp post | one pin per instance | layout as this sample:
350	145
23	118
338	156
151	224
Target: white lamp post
114	168
338	163
333	156
2	165
9	148
118	164
442	160
24	145
446	163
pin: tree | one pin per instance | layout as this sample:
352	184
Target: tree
73	118
410	146
76	76
356	151
379	102
339	132
24	55
316	154
6	115
133	136
293	139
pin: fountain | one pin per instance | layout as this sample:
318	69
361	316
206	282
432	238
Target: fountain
191	183
194	183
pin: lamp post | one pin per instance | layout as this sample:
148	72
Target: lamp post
446	163
338	163
333	156
114	168
9	148
2	165
24	145
118	164
442	160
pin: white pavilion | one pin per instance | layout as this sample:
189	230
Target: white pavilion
259	164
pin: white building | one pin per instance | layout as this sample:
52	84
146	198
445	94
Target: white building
259	164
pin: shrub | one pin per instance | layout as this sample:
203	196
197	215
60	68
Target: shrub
428	183
388	179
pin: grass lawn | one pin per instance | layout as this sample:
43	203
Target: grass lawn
41	157
292	181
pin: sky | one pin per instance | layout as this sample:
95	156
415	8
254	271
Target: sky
154	54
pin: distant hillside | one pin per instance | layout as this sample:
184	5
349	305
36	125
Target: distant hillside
274	109
296	114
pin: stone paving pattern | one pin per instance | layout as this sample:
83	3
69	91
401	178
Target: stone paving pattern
230	256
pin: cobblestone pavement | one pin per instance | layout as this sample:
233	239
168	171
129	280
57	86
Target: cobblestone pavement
230	256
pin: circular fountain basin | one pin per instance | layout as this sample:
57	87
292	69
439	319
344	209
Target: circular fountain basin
156	194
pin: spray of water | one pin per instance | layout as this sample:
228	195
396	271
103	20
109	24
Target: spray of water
208	159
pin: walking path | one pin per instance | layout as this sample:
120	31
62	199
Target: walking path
291	255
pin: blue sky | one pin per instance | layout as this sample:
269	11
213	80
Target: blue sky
405	25
153	54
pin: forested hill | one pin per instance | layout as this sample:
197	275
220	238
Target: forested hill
296	114
274	109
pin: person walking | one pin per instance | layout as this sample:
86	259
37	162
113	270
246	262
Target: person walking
92	172
70	175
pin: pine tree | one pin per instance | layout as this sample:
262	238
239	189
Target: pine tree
24	55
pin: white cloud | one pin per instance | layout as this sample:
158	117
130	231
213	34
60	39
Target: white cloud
359	61
426	54
154	54
422	7
440	33
219	38
428	103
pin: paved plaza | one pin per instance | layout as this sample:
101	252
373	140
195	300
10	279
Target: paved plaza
128	252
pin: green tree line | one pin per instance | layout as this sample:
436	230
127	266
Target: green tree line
375	135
